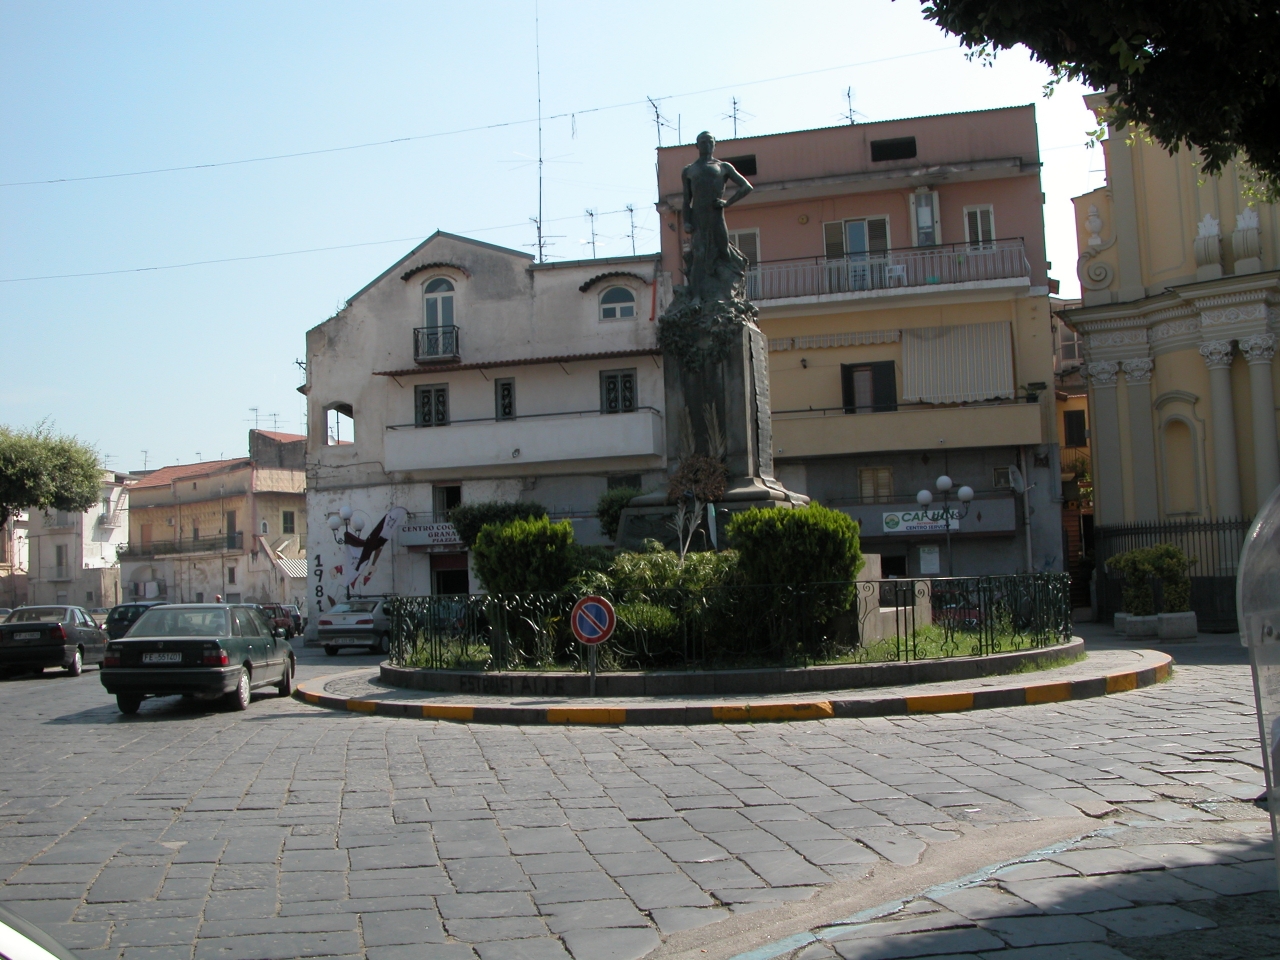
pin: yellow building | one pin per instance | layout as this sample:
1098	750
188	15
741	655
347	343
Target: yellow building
900	274
1180	290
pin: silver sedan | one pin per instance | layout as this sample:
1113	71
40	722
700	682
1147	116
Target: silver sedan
355	623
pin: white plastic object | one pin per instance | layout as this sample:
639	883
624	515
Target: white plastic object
924	498
965	494
943	483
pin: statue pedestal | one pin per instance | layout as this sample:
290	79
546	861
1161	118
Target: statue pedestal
716	384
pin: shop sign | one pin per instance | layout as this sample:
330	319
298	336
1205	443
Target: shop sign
921	521
429	535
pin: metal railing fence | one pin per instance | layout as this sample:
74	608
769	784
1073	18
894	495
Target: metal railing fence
436	343
740	625
906	267
1213	546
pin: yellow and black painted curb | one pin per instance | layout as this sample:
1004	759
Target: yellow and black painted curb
685	714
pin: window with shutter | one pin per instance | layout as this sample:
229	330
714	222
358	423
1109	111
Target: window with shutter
869	387
432	408
748	242
876	484
617	391
833	238
504	398
877	235
979	225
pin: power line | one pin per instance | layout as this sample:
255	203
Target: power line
651	101
281	253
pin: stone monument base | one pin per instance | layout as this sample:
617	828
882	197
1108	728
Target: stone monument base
642	521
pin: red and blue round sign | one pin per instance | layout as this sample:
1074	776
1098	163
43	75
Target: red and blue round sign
593	620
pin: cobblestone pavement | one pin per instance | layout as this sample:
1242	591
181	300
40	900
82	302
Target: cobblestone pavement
288	831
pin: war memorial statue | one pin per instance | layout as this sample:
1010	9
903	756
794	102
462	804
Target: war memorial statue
716	370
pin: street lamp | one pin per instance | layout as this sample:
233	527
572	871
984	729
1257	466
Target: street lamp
964	495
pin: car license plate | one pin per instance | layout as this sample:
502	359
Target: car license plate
162	658
27	636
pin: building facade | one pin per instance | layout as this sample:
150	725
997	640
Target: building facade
465	373
900	274
14	559
1178	321
73	557
231	528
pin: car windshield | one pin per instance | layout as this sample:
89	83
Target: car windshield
355	606
124	614
38	615
176	622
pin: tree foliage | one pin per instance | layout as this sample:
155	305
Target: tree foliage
42	470
799	546
470	518
1203	75
1140	567
526	556
609	509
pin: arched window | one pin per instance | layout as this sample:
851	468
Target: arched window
617	303
438	303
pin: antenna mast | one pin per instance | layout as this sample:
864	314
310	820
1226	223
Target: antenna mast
848	96
631	212
591	216
537	59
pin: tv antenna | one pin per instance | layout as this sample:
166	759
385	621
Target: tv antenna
537	60
144	460
658	119
850	113
631	212
591	216
736	114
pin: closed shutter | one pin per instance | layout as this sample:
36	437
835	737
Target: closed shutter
748	243
884	387
876	484
965	363
878	235
833	237
979	226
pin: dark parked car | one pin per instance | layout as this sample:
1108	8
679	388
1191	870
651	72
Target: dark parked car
32	638
202	650
296	615
279	617
122	617
356	623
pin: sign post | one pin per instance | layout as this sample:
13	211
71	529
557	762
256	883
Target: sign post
592	620
1258	610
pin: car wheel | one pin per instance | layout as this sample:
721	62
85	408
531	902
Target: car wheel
285	686
331	651
384	644
238	699
128	703
77	664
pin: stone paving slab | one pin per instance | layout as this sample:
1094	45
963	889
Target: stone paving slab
198	819
1100	673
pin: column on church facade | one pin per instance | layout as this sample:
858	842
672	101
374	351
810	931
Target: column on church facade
1226	464
1142	442
1108	478
1258	351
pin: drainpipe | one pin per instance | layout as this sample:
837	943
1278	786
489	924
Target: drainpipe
1026	504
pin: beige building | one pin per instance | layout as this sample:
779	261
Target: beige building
1178	324
13	561
73	557
899	270
231	528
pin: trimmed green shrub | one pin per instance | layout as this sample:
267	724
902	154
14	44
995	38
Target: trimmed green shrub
802	545
1163	562
470	518
609	509
524	556
660	623
655	568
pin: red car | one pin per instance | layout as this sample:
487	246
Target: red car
280	617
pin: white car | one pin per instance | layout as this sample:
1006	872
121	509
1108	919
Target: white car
355	623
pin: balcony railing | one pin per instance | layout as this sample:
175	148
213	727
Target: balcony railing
221	543
893	269
436	344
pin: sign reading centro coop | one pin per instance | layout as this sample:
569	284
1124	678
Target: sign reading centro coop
429	535
921	521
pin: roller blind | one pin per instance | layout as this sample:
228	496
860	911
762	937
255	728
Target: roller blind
957	364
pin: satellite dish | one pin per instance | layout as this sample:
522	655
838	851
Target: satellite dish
1018	484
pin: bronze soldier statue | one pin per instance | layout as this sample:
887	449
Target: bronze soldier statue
714	268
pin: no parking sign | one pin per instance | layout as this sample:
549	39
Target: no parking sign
593	620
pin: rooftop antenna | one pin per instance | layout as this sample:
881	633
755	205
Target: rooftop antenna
591	216
658	119
537	60
275	421
144	460
631	212
199	456
254	411
848	98
735	115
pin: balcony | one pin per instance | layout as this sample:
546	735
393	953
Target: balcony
436	344
816	433
221	543
918	267
508	445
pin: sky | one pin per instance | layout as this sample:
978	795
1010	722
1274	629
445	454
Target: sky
160	366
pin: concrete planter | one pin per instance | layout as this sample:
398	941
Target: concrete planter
1177	626
1142	626
1118	624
